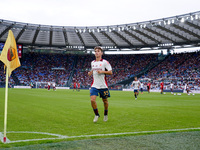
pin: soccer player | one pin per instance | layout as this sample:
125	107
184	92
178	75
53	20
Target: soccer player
161	87
187	88
141	87
79	85
74	86
49	85
54	86
31	85
148	86
136	83
99	69
171	87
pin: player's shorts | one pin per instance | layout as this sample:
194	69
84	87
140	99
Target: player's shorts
147	87
161	88
135	90
104	93
141	89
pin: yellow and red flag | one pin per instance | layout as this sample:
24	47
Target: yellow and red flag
9	55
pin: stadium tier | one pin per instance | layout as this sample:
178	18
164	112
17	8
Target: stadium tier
65	68
176	30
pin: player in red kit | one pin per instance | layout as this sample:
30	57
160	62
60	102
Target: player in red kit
161	87
79	86
74	86
148	87
49	85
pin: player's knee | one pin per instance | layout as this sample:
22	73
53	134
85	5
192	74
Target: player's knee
93	99
105	101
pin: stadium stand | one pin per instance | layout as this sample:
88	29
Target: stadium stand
63	68
66	69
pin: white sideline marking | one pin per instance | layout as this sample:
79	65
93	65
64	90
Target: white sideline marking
94	135
1	138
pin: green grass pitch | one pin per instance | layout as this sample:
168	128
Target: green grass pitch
69	113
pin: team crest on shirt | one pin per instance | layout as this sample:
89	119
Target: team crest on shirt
100	65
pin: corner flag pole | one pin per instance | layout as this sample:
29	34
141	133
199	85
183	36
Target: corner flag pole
6	107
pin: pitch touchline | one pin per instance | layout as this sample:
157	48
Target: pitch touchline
95	135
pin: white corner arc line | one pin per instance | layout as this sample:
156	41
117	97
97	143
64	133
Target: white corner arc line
94	135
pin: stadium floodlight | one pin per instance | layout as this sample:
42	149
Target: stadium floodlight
183	20
196	16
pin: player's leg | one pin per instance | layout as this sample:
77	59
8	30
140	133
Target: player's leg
105	101
93	95
104	94
94	106
135	94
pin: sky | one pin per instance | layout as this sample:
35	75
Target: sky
93	12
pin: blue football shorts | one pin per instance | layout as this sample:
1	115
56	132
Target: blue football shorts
104	93
136	90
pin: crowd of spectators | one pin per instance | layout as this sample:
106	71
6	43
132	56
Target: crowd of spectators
177	68
58	68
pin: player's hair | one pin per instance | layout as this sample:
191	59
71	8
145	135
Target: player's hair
98	47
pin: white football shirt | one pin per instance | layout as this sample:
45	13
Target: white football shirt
171	85
99	80
142	85
136	84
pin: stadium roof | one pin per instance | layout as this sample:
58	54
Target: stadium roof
154	34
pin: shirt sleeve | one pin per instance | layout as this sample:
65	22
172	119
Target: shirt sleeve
91	66
108	66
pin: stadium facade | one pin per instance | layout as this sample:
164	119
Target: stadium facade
171	32
167	34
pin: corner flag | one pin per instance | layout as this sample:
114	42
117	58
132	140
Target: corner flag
9	55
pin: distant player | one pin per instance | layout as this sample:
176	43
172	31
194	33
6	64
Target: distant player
99	69
79	86
148	86
136	84
171	87
74	88
31	85
49	85
141	87
54	86
187	88
161	87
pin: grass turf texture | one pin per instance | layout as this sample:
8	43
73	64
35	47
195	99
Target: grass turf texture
69	113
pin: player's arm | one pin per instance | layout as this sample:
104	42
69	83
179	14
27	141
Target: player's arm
132	84
90	73
105	72
139	85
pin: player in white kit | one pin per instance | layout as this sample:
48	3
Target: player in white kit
99	69
141	87
171	87
136	84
